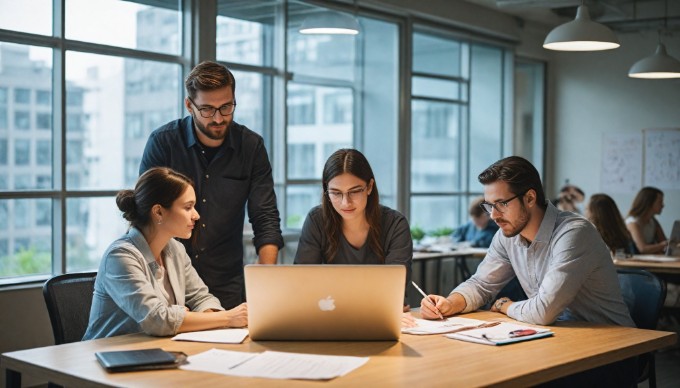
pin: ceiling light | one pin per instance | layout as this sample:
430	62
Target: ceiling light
581	34
656	66
330	22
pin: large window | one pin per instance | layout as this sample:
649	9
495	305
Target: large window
82	137
457	89
76	110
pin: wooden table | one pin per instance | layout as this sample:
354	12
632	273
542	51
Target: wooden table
413	361
665	267
460	255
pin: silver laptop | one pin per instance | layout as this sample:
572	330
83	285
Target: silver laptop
673	248
325	302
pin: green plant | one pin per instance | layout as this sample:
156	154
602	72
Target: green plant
417	233
440	232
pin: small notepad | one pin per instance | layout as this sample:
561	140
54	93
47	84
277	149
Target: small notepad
502	334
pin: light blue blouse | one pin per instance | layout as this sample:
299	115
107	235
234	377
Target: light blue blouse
128	297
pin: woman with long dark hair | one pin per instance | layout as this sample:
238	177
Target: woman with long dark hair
146	282
643	226
604	214
350	226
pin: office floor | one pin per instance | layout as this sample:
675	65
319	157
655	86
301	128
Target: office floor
667	372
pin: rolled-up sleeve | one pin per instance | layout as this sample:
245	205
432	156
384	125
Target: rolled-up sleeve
126	283
198	298
492	274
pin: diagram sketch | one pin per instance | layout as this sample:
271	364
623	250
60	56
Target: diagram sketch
621	170
662	158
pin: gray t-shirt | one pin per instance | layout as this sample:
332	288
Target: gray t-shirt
395	238
567	273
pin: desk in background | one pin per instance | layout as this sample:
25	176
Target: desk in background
461	268
658	267
413	361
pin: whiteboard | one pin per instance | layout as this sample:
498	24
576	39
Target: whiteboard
662	158
621	170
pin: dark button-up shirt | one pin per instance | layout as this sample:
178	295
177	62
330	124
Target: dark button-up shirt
239	173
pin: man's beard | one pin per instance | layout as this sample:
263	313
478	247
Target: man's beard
522	222
202	128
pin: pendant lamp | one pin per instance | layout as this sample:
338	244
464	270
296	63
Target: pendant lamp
581	34
330	22
659	65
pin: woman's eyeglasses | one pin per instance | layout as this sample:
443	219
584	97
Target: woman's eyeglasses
352	195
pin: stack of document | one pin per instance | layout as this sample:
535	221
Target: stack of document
273	365
501	334
448	325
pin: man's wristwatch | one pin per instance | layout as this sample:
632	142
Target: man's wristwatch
500	302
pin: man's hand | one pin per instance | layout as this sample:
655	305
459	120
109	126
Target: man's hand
433	305
501	305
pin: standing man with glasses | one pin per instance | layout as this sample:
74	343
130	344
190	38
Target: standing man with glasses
229	166
559	258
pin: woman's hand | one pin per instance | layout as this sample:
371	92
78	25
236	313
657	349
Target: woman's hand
238	316
407	320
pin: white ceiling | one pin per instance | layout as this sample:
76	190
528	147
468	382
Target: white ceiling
620	15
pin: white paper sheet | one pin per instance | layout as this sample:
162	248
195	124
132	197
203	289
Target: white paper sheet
217	360
274	365
448	325
221	336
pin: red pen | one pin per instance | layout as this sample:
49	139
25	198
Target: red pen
522	333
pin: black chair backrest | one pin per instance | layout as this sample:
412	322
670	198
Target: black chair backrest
644	294
68	298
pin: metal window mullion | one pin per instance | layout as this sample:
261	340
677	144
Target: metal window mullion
439	99
122	52
442	77
59	138
404	142
278	100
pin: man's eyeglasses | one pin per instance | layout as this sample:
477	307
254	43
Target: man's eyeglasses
500	206
352	195
208	112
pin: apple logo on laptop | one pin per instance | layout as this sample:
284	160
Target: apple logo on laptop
327	304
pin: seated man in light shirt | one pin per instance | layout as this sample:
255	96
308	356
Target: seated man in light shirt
559	258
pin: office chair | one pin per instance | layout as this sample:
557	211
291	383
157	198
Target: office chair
644	295
68	298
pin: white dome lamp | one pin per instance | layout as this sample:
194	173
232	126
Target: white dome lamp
330	22
659	65
581	34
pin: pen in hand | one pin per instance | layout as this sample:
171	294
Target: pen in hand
428	298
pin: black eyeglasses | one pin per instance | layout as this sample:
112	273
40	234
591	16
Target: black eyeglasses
488	207
208	112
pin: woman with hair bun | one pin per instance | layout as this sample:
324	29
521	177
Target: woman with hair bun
145	281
